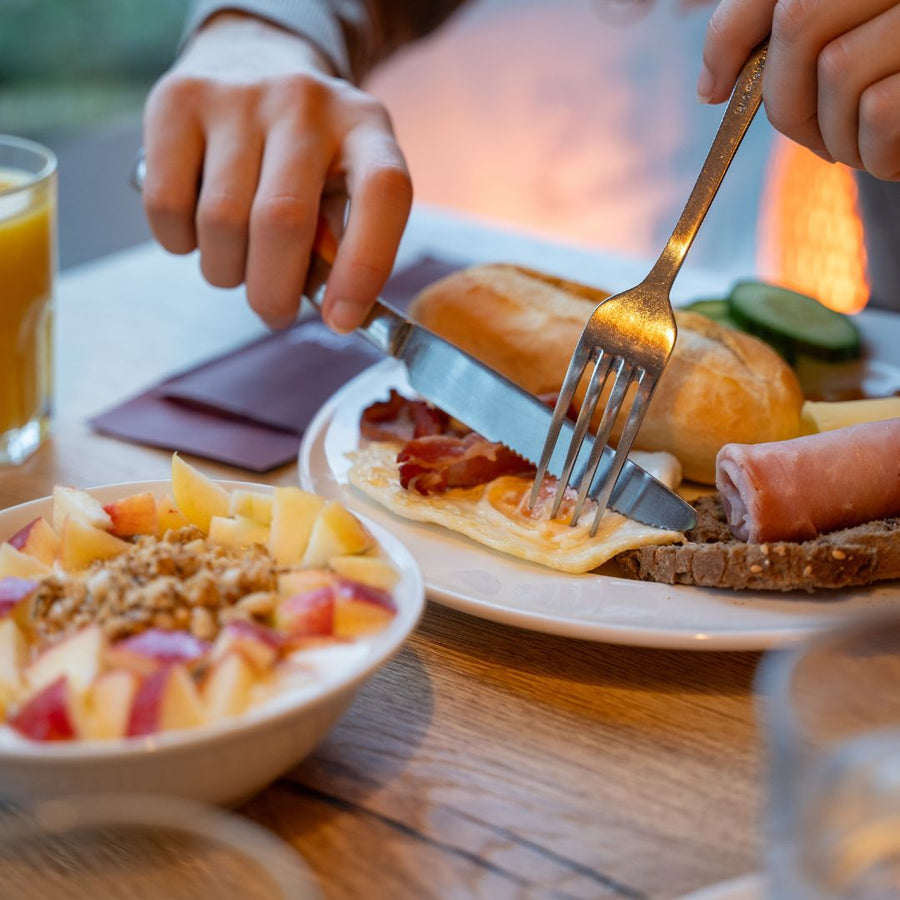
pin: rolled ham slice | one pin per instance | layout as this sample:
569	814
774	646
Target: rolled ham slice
794	490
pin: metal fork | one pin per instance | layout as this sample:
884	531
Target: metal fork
629	336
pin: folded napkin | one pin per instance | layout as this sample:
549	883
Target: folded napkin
250	407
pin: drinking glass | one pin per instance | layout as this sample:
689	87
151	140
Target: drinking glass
831	711
27	274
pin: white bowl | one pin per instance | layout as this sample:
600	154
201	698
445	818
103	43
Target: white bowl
224	762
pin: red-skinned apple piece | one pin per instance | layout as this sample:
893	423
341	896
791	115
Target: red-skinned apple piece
69	502
309	614
134	514
226	691
336	532
105	710
259	645
20	565
37	539
164	647
13	591
169	516
360	609
13	650
82	543
166	700
78	657
47	716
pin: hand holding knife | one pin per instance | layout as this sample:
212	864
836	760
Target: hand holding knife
486	401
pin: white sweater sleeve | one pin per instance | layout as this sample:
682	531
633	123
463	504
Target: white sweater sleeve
353	35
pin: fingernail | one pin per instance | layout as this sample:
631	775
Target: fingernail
705	85
344	315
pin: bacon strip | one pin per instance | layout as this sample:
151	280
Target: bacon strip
438	452
400	419
431	465
793	490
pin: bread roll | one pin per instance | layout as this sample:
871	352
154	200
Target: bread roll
721	386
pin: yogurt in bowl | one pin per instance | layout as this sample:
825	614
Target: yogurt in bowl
112	681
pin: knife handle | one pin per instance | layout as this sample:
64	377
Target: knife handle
320	263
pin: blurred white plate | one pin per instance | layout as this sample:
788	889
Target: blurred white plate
598	607
223	762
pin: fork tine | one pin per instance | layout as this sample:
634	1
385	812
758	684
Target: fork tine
641	401
588	405
646	387
580	358
623	375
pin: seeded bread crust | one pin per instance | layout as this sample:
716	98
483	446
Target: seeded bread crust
712	557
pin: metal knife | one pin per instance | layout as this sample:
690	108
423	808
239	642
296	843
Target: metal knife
491	404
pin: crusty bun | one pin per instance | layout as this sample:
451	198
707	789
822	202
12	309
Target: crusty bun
720	386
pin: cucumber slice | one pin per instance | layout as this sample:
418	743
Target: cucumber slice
717	310
793	323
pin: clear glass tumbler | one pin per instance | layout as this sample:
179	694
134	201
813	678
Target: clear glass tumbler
27	276
831	712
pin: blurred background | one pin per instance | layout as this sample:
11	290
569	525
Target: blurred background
573	119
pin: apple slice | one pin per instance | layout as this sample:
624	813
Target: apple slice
16	564
259	645
169	516
48	715
293	513
74	503
105	710
37	539
166	700
360	609
13	652
197	496
14	591
134	514
299	581
310	614
252	504
336	532
77	657
80	544
370	570
238	531
161	646
226	691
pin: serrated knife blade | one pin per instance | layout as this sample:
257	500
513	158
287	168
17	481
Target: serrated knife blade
500	410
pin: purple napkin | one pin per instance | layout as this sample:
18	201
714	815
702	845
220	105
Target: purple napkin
249	408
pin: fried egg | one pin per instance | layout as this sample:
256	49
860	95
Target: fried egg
496	514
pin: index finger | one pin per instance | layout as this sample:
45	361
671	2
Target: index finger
735	28
380	199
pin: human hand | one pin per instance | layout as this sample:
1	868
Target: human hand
257	112
832	79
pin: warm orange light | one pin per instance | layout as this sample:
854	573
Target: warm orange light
811	236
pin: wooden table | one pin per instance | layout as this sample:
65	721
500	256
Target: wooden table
483	761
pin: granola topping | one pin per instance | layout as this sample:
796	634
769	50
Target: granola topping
180	580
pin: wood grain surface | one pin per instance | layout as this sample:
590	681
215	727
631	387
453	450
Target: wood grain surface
483	761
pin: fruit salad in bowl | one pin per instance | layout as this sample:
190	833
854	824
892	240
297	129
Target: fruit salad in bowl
144	624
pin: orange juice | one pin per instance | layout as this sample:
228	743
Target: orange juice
27	264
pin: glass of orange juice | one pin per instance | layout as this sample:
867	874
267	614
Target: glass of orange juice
27	270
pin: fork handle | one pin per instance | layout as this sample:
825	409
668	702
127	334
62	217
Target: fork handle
742	107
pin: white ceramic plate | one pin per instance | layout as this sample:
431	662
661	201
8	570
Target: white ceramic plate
747	887
597	606
223	762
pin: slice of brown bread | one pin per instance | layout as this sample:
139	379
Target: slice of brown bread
711	557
